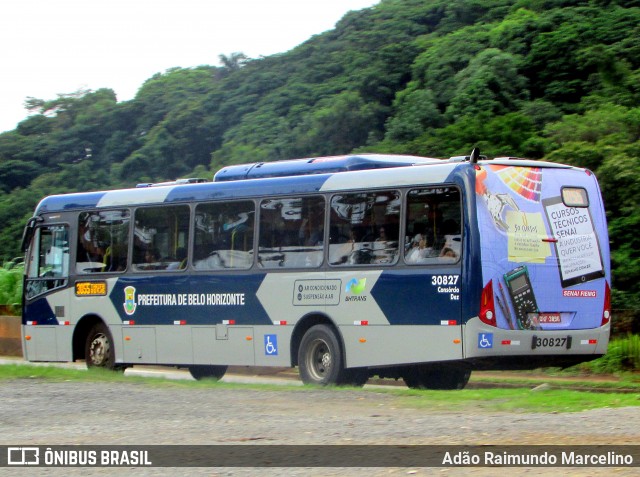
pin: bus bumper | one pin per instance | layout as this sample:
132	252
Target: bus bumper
487	344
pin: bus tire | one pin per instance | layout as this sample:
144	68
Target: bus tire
205	371
356	377
413	378
441	377
320	357
99	350
450	378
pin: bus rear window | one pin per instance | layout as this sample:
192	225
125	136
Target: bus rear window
575	197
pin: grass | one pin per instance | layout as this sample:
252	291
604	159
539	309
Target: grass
53	373
566	378
623	354
519	400
507	400
58	374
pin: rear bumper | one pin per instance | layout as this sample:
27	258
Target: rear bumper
487	344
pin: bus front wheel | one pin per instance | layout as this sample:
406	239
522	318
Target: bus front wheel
99	350
204	371
320	357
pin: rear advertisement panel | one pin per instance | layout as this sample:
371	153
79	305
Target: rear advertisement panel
544	250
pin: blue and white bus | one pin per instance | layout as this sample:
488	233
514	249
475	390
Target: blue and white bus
346	267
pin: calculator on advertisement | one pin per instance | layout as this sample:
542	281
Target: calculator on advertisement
522	297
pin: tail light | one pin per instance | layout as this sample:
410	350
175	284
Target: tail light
487	307
606	311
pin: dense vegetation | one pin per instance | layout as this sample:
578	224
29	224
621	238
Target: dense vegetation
553	79
11	288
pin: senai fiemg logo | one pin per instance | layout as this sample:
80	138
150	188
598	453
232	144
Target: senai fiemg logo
354	289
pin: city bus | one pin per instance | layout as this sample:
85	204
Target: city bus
347	267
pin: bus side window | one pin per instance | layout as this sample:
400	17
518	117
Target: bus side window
365	228
161	237
224	235
433	231
291	232
103	241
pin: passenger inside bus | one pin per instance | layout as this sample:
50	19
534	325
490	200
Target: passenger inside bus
90	251
448	252
417	250
150	259
433	227
382	235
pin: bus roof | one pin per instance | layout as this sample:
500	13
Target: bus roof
408	170
318	165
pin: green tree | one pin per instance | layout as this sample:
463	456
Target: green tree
416	112
14	173
346	119
234	61
620	181
491	83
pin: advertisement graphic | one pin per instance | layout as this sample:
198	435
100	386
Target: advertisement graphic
524	237
522	297
540	248
579	257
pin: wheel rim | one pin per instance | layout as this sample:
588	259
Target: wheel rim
319	360
99	349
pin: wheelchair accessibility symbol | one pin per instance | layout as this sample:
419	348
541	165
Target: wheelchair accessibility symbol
271	345
485	340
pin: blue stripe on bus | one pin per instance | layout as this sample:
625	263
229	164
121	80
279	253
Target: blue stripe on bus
247	189
405	296
210	191
183	193
413	297
41	312
196	299
60	203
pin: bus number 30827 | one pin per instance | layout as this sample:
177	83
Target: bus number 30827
444	279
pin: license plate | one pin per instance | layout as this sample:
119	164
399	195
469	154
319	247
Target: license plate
551	342
549	318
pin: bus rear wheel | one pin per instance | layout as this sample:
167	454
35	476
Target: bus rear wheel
356	377
437	377
320	357
204	371
99	350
